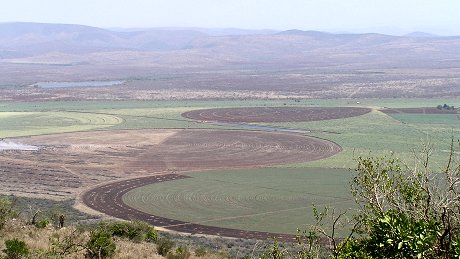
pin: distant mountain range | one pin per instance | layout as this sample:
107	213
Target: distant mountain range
230	46
420	34
18	39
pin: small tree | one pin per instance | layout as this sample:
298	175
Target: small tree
407	212
66	243
100	244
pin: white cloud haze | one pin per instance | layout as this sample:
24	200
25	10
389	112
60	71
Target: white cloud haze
386	16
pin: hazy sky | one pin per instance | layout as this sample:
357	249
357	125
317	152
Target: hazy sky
386	16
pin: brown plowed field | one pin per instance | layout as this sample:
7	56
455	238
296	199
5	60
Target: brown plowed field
207	149
421	110
108	199
274	114
67	164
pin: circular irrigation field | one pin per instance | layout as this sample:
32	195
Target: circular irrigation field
109	200
274	114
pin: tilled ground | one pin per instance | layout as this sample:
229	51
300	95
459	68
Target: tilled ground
274	114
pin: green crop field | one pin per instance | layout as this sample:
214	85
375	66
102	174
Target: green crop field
16	124
440	120
272	199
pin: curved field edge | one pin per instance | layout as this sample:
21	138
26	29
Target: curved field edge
268	199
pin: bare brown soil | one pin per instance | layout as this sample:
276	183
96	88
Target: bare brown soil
67	164
274	114
421	110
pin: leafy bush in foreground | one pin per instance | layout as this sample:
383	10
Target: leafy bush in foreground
100	244
164	246
16	249
133	230
180	253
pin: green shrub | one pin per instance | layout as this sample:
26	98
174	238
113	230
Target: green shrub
16	249
275	251
394	234
100	244
135	230
42	223
164	246
180	253
151	235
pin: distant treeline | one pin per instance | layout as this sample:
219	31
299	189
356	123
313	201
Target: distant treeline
445	107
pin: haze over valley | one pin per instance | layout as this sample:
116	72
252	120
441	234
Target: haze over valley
234	63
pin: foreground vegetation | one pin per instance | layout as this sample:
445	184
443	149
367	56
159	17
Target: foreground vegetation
21	239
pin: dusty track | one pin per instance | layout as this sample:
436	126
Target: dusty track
274	114
108	199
